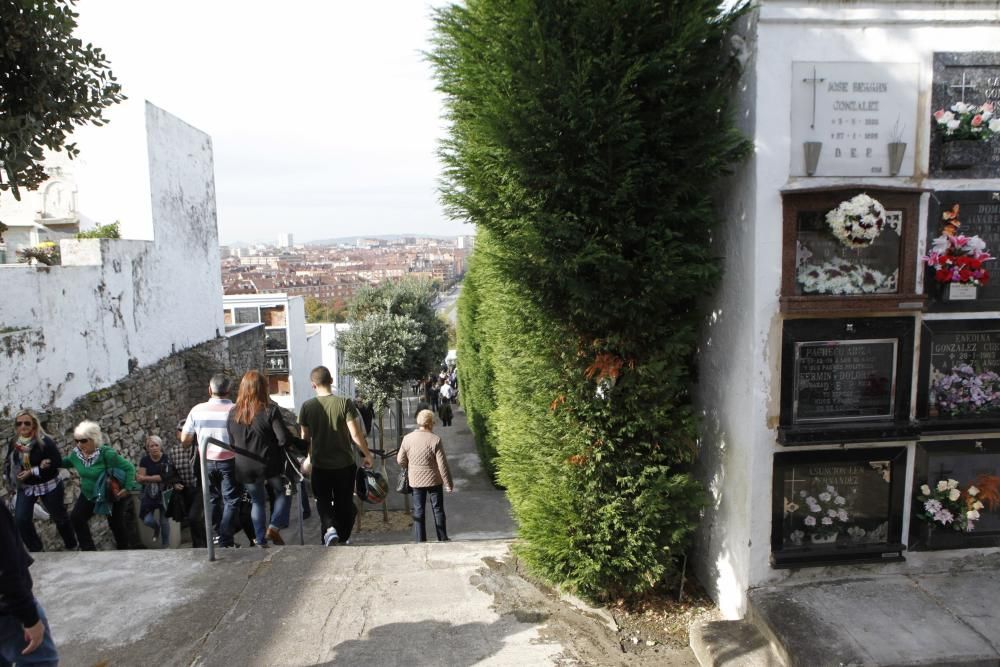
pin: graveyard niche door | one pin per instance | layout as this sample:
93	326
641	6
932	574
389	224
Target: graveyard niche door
969	214
830	506
849	249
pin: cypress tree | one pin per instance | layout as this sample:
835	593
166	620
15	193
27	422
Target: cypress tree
585	135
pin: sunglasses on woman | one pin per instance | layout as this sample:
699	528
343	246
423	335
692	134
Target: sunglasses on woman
81	440
24	423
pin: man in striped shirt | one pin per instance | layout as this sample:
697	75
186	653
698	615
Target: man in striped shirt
208	420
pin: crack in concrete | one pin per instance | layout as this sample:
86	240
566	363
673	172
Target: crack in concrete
200	645
950	612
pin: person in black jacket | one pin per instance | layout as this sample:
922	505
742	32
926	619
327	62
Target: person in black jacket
24	630
258	435
31	466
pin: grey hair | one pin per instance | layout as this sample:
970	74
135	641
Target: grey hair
91	431
425	418
155	438
219	385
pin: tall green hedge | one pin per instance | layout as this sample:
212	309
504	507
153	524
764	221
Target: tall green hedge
585	137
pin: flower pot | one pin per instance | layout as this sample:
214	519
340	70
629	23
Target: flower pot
960	292
897	149
812	150
823	538
934	536
964	153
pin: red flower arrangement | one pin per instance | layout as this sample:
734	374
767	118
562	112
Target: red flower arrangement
959	259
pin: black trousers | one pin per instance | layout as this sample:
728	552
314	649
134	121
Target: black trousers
334	491
80	518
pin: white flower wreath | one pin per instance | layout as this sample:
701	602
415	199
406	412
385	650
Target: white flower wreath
857	222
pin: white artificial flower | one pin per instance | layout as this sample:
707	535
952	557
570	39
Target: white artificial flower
952	483
925	490
810	521
942	485
972	515
839	500
977	505
831	513
961	107
842	515
975	243
830	489
827	521
945	118
825	497
973	491
995	125
954	495
953	124
802	494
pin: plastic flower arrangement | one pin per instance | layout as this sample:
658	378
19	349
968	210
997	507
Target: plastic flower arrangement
842	277
959	259
825	511
46	252
967	122
857	222
947	505
965	392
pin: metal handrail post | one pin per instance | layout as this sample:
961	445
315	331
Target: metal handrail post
210	543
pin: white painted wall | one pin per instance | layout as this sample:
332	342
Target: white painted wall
332	358
113	301
739	394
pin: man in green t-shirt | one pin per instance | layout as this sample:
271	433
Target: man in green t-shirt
331	426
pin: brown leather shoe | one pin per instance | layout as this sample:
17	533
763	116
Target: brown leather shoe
273	536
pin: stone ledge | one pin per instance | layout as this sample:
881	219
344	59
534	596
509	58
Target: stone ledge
731	644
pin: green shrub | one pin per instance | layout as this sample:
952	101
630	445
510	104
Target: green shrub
111	231
585	136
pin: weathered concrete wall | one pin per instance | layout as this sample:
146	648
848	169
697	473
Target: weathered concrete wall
117	305
150	401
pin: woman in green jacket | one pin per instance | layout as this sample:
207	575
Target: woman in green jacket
95	463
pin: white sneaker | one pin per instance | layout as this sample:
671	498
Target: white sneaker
330	537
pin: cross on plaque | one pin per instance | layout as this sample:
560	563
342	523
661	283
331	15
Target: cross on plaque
792	480
815	82
963	85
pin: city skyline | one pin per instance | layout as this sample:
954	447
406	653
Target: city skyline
324	119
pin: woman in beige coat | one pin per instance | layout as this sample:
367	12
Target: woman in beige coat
422	454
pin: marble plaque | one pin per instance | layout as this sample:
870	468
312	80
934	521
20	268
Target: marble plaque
838	380
960	370
973	78
855	110
977	213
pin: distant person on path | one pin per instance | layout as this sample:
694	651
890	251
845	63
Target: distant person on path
259	437
157	476
446	414
23	470
422	454
435	396
208	420
447	393
25	637
94	462
329	425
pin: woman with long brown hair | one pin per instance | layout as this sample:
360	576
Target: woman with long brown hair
258	435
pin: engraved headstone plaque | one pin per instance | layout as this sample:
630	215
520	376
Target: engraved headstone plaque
973	78
836	380
855	110
837	504
960	371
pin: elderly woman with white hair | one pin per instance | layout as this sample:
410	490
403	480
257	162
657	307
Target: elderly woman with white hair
97	465
422	454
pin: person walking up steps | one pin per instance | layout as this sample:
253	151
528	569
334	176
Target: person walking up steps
329	425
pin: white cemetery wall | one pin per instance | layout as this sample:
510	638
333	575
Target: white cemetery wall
115	305
739	396
727	459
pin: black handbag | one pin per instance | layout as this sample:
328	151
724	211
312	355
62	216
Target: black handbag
403	482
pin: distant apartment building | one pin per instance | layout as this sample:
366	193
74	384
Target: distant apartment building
285	241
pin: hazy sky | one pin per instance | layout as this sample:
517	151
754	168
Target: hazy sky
323	114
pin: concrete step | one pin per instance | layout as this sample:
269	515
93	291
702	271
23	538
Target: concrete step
731	644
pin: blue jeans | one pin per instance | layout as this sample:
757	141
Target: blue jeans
12	643
224	492
24	516
436	496
158	519
258	510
